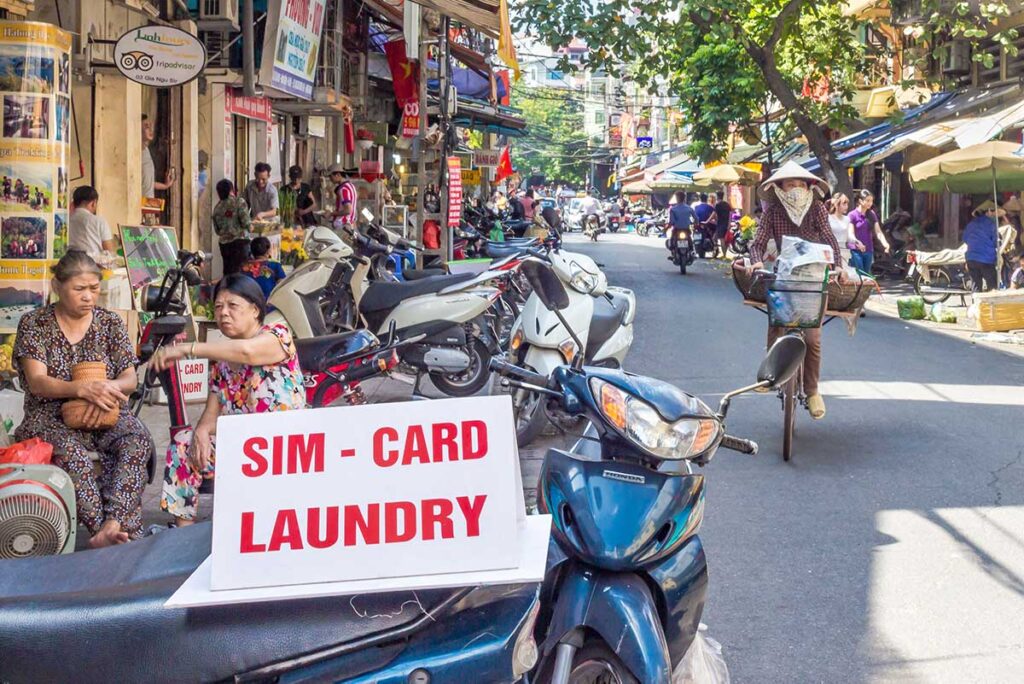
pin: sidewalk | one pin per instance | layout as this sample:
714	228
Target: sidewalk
378	391
963	329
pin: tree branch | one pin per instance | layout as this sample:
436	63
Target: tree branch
792	8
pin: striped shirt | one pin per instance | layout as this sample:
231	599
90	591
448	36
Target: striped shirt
345	193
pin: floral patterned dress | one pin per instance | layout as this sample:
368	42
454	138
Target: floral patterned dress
240	389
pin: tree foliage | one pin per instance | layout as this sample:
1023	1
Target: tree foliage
725	60
555	145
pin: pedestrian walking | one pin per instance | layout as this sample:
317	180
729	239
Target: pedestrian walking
981	237
723	216
839	220
866	227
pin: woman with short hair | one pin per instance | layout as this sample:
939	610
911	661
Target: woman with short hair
255	370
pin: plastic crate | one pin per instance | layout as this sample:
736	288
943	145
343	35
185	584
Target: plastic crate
796	304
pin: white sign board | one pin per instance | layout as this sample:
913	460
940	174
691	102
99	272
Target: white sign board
486	157
195	379
366	492
159	56
291	45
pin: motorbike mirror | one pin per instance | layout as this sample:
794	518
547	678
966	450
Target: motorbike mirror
782	360
546	284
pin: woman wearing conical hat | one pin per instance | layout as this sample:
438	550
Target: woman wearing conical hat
794	206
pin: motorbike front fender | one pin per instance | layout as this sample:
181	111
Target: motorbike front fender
619	607
543	360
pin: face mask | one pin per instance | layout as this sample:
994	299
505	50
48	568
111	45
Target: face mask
796	201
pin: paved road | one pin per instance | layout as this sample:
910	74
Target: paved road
892	547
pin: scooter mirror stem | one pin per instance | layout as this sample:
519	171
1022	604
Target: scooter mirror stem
723	406
577	361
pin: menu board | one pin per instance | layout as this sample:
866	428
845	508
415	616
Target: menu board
35	86
149	252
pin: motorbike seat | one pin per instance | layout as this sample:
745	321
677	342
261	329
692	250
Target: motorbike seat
98	616
317	354
421	273
520	241
382	296
605	321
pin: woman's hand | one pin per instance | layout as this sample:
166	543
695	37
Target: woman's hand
202	448
164	357
754	267
104	395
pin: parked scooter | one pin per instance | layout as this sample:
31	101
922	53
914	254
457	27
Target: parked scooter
627	576
602	315
48	604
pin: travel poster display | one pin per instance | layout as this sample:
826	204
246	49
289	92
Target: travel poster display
35	87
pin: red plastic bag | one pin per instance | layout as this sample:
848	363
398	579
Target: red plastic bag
431	235
32	451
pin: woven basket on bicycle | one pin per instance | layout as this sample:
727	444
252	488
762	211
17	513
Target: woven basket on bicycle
849	296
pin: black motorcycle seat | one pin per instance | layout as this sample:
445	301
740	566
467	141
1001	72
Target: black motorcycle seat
382	296
606	320
513	241
421	273
98	616
498	250
317	354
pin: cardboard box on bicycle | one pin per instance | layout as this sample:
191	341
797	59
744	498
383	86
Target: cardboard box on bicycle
1000	310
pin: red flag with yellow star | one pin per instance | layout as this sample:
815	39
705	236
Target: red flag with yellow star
504	169
404	73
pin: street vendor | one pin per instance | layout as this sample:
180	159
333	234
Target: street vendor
255	370
52	340
793	197
982	238
260	194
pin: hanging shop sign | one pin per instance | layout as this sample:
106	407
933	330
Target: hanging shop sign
257	108
291	46
35	86
471	176
411	119
644	143
159	56
316	126
486	157
454	191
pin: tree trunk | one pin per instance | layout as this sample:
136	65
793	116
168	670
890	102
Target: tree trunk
833	169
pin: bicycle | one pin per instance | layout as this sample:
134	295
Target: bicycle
797	306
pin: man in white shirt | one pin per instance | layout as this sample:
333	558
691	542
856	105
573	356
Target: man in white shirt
149	182
88	232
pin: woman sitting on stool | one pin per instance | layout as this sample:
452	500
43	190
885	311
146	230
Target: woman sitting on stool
255	370
50	341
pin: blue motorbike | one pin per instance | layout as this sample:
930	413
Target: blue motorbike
627	576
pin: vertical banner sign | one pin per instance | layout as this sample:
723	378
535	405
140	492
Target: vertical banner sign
411	119
291	46
454	191
35	84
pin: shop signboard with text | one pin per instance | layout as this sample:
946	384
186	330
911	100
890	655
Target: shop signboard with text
486	158
159	56
291	46
454	191
257	108
35	139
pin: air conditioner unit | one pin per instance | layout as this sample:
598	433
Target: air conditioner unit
956	58
218	14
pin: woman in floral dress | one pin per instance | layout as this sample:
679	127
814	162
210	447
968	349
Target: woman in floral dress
254	371
50	341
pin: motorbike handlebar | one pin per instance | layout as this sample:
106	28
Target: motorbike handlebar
744	446
505	368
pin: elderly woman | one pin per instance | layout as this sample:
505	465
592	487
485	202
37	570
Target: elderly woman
255	370
794	207
50	341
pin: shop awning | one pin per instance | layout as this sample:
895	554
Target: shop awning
480	14
393	14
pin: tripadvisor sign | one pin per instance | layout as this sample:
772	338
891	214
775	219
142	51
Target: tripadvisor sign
159	56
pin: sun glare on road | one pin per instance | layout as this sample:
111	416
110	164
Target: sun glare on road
993	395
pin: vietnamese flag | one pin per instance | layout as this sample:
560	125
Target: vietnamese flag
504	165
404	73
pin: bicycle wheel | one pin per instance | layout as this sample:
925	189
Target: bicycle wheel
940	279
788	417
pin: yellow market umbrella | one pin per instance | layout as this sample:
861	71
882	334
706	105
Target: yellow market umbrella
726	174
986	167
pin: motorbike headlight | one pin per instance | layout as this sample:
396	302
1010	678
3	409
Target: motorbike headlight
683	234
580	279
640	422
